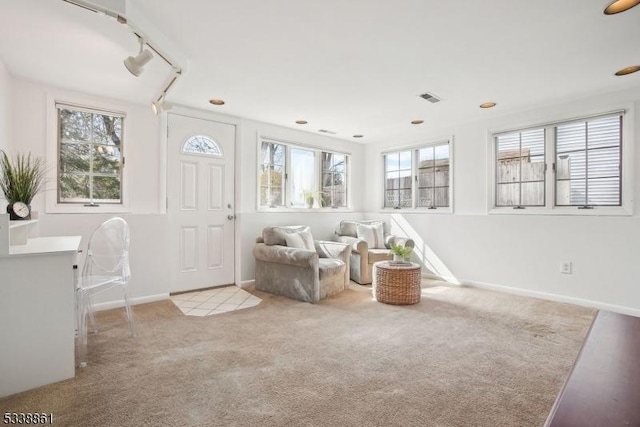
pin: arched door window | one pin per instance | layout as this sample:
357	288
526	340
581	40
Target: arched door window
203	145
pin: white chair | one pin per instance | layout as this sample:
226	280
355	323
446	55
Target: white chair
106	266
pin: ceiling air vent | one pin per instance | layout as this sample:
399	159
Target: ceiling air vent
430	97
330	132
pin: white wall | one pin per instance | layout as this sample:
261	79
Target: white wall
522	253
149	242
251	222
5	111
470	245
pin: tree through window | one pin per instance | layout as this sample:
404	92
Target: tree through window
90	157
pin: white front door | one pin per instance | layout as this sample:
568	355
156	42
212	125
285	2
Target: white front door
200	192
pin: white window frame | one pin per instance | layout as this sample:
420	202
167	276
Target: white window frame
414	148
288	145
51	195
549	208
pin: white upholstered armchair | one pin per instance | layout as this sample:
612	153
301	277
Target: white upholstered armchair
370	242
290	263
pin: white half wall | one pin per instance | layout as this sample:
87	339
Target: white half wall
523	253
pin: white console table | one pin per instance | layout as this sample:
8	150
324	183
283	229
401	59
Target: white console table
37	320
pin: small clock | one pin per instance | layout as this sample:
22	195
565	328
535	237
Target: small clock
18	210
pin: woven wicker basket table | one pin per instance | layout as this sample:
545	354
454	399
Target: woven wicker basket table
396	283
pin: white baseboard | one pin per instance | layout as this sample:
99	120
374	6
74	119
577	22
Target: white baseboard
135	301
247	283
542	295
451	280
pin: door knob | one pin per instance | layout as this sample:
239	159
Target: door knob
230	217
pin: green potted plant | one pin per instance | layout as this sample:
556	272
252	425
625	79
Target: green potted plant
312	199
401	253
308	198
20	180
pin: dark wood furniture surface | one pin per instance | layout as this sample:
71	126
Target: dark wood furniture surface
603	388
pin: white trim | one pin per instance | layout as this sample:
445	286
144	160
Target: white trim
284	141
247	283
555	297
537	294
55	98
418	144
282	209
134	301
573	119
163	158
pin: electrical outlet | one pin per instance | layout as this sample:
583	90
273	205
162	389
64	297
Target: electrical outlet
565	267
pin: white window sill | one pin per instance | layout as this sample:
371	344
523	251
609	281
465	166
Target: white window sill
564	211
302	210
437	211
81	209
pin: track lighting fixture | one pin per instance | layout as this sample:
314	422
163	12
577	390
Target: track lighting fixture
136	63
159	104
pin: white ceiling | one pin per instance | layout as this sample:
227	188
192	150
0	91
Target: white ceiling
349	66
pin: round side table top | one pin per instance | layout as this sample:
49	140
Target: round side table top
395	265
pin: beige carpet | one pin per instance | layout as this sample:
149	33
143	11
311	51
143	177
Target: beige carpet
461	357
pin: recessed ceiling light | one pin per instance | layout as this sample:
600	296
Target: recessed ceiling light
301	122
628	70
488	105
358	136
417	122
215	101
620	6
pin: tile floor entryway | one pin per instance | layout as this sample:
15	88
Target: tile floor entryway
214	301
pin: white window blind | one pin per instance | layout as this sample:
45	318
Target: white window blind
588	162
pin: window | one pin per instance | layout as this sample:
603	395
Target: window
585	158
297	177
334	179
272	174
433	176
302	176
397	180
588	162
520	161
90	159
201	144
418	178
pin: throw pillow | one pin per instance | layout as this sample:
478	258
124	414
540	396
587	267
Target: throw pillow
372	234
302	240
274	235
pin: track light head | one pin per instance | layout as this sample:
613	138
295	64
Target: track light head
160	105
136	63
156	106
